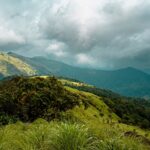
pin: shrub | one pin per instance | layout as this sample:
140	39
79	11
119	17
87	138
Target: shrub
32	98
6	119
74	137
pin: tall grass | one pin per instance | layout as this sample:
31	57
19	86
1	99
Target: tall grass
120	144
42	135
74	137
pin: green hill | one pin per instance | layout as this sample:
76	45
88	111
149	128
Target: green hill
30	98
74	119
10	65
130	110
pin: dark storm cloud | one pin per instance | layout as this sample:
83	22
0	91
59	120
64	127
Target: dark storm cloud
96	33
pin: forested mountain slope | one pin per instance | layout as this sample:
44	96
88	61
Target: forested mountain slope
127	81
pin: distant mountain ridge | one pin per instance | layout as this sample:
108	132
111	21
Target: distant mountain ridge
127	81
10	65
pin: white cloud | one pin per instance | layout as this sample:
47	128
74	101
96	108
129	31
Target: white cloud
84	59
9	36
101	33
56	48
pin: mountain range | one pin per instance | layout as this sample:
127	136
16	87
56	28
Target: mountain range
127	81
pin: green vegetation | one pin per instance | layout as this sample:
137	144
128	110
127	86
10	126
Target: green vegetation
41	135
27	99
133	111
70	119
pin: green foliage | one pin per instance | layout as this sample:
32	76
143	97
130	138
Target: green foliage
6	119
93	124
30	98
41	135
74	137
133	111
118	144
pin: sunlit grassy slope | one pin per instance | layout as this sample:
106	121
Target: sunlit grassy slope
91	108
98	114
94	109
41	135
10	65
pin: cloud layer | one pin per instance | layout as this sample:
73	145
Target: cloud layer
92	33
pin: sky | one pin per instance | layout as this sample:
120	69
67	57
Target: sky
104	34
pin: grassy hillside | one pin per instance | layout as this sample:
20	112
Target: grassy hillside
77	120
130	110
93	108
10	65
27	99
40	68
41	135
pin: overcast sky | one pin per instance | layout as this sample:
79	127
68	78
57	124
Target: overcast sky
92	33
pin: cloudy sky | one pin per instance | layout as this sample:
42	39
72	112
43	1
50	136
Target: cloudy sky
92	33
